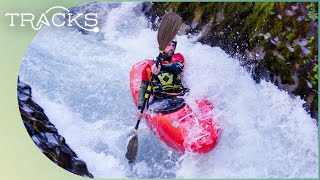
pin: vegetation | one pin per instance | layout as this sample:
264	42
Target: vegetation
313	14
287	32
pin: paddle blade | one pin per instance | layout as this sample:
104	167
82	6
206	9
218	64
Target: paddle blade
168	29
132	149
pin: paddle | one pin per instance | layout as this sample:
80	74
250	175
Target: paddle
168	29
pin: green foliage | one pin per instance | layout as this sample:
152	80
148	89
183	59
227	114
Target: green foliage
259	17
313	14
311	40
315	69
314	83
271	13
287	55
296	51
304	61
313	76
280	62
269	8
281	45
291	36
255	24
310	55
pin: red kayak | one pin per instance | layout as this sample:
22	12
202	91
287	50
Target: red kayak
183	129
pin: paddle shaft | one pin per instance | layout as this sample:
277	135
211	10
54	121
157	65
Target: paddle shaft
147	94
167	31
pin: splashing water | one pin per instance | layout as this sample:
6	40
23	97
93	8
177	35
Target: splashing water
82	82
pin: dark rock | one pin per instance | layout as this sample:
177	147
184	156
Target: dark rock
80	167
45	135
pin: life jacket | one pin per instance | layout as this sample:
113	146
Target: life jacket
165	82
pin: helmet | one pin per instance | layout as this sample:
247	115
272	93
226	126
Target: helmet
174	40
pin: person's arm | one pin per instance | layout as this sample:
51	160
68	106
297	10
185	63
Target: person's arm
175	68
145	78
142	92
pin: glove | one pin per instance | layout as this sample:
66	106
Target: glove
160	58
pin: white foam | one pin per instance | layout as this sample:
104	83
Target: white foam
83	85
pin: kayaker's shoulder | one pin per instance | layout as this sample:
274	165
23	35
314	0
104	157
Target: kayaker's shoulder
177	57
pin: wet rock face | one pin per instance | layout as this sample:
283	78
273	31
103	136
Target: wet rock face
46	136
276	41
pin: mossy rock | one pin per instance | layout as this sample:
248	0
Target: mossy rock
291	36
243	26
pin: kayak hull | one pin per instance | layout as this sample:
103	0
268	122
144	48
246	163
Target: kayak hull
187	129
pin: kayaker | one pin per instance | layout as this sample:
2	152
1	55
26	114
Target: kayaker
167	82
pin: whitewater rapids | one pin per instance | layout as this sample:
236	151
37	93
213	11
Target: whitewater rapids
82	82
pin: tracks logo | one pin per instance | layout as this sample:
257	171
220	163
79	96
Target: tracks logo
86	21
